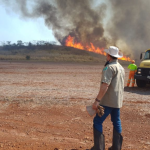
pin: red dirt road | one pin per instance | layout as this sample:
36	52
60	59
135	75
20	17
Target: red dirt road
42	107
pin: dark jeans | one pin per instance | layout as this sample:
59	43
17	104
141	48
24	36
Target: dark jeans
115	118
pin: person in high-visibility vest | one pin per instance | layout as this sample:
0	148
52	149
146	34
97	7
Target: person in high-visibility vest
133	69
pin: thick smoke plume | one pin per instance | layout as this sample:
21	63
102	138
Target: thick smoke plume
128	25
74	17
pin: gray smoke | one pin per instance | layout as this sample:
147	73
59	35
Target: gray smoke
128	25
76	17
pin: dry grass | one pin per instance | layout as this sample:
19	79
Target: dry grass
57	54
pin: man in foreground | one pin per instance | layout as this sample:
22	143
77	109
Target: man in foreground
110	96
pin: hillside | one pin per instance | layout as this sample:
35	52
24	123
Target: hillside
53	54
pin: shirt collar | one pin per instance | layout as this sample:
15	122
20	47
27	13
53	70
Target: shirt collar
114	61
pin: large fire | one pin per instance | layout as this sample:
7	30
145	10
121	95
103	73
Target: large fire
70	42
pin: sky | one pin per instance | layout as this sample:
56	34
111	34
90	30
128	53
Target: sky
13	28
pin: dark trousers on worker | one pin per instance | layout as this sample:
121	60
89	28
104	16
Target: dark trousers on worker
115	118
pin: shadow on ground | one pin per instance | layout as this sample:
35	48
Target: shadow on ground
137	90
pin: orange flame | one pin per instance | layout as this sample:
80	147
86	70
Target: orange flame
70	42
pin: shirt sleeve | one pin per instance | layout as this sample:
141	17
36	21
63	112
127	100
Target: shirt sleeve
107	75
129	67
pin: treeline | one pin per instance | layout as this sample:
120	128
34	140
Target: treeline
28	45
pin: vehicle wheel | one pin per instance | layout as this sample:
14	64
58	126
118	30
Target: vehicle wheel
140	83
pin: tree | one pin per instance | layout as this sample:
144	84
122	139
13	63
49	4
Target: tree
8	42
19	43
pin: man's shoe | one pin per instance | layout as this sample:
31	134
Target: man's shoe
117	141
99	140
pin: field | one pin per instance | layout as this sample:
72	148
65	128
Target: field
42	107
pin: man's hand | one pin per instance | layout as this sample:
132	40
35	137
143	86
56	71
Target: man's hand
95	105
100	111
